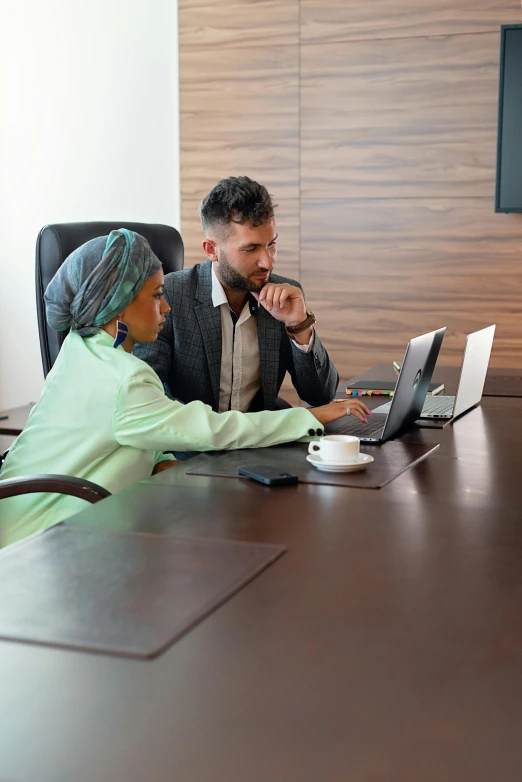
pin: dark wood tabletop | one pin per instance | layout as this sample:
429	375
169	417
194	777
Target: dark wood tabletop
385	646
13	421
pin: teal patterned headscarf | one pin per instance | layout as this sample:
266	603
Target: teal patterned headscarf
98	280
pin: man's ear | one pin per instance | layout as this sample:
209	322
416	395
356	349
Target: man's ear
210	249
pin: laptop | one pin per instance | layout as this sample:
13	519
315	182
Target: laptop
410	392
471	380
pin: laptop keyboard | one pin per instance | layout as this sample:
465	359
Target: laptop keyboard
352	425
438	405
433	405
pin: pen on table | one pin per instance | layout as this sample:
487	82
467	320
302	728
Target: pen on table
3	417
396	366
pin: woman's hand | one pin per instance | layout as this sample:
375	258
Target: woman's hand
166	464
337	409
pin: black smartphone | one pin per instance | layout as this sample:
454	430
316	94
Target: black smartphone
270	476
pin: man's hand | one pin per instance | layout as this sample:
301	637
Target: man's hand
284	302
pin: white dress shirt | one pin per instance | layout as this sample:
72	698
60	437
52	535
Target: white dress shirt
240	369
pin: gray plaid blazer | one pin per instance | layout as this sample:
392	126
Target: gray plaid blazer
187	353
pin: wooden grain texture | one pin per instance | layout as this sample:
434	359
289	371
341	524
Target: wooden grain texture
378	272
222	24
326	21
385	646
287	217
239	115
401	118
381	117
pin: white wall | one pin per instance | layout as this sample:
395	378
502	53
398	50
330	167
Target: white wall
89	130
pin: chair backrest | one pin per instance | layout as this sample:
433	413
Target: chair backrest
56	242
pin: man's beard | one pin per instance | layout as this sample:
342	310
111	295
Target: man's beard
233	279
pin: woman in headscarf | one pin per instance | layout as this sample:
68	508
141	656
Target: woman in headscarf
103	414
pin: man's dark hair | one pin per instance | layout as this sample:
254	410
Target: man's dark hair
237	199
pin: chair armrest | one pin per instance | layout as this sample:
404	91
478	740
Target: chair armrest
57	484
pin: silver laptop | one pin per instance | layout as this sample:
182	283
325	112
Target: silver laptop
410	392
471	380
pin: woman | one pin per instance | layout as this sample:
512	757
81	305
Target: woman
103	414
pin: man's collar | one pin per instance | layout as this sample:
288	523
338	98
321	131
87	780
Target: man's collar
253	304
219	296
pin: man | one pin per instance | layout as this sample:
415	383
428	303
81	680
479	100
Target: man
235	328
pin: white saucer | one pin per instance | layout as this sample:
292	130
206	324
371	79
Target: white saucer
362	461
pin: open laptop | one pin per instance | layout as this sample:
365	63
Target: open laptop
410	392
471	380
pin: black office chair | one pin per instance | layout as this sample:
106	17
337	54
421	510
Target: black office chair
56	242
58	484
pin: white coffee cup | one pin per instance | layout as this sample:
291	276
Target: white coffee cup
336	448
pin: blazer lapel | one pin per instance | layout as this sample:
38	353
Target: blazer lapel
209	321
269	340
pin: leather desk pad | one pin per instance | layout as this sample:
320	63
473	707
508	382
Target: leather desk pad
125	594
391	459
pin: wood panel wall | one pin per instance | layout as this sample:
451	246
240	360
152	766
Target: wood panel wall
373	124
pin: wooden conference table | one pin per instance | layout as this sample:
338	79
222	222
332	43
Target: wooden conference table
385	646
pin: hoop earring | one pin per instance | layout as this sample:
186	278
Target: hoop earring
121	333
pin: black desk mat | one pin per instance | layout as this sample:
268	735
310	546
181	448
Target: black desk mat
125	594
503	385
391	459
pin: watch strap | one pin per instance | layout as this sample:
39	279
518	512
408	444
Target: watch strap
306	323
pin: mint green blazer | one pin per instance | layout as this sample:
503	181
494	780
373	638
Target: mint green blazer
103	415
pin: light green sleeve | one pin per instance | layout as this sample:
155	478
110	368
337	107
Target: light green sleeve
164	457
145	418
